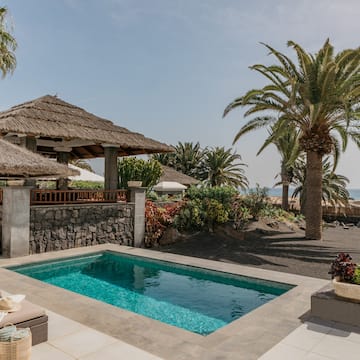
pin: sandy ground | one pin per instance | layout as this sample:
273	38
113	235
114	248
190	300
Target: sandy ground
281	250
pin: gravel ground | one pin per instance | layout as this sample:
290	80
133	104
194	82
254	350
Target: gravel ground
280	250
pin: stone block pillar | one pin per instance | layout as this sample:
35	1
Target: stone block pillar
111	171
137	196
16	221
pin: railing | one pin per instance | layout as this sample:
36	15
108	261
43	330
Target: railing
42	197
1	196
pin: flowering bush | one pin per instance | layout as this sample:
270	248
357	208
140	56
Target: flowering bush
157	219
344	268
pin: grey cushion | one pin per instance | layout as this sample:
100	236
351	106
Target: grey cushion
27	312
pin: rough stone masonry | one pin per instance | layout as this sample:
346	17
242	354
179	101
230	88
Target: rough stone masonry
68	226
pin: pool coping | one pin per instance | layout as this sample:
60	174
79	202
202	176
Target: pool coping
245	338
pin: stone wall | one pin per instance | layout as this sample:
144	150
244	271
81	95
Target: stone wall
0	229
68	226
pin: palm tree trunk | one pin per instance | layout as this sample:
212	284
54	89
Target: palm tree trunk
285	188
313	205
285	196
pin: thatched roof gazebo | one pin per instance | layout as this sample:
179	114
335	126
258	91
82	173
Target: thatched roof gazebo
172	175
19	163
55	128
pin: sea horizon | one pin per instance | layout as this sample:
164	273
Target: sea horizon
277	191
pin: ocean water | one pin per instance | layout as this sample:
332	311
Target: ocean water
354	193
194	299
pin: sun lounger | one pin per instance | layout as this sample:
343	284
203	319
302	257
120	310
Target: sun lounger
31	316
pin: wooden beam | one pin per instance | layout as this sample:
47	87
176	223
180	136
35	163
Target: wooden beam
63	143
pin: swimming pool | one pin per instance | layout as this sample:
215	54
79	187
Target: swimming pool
194	299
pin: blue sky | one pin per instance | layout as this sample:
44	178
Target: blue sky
168	68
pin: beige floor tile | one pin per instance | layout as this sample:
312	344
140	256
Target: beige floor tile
347	335
304	338
317	328
45	351
283	351
60	326
82	342
312	356
119	350
336	348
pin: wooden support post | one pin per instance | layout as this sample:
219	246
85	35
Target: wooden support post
111	171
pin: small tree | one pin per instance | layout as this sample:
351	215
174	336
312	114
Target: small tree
7	46
131	168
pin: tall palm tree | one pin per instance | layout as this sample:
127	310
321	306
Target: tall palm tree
167	159
287	145
222	167
333	185
7	46
320	97
187	158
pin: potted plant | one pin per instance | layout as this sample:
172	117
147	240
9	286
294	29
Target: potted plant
346	277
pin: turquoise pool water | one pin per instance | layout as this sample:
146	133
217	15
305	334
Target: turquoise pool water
191	298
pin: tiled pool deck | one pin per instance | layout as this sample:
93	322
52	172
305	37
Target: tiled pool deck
98	330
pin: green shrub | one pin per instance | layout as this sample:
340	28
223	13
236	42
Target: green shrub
256	201
205	207
93	185
356	277
223	194
190	216
240	214
157	220
152	195
131	168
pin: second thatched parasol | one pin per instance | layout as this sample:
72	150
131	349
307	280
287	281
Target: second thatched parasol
18	163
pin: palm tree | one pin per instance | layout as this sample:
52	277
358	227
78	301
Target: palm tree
187	159
320	98
287	144
333	185
7	46
221	167
167	159
188	156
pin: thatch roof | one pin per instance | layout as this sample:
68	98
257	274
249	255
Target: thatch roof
50	118
170	174
18	163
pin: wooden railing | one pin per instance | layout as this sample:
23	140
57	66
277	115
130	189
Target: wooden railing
42	197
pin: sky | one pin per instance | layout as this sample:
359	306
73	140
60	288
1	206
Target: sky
168	68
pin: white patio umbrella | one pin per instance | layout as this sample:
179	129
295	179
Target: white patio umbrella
169	186
85	175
